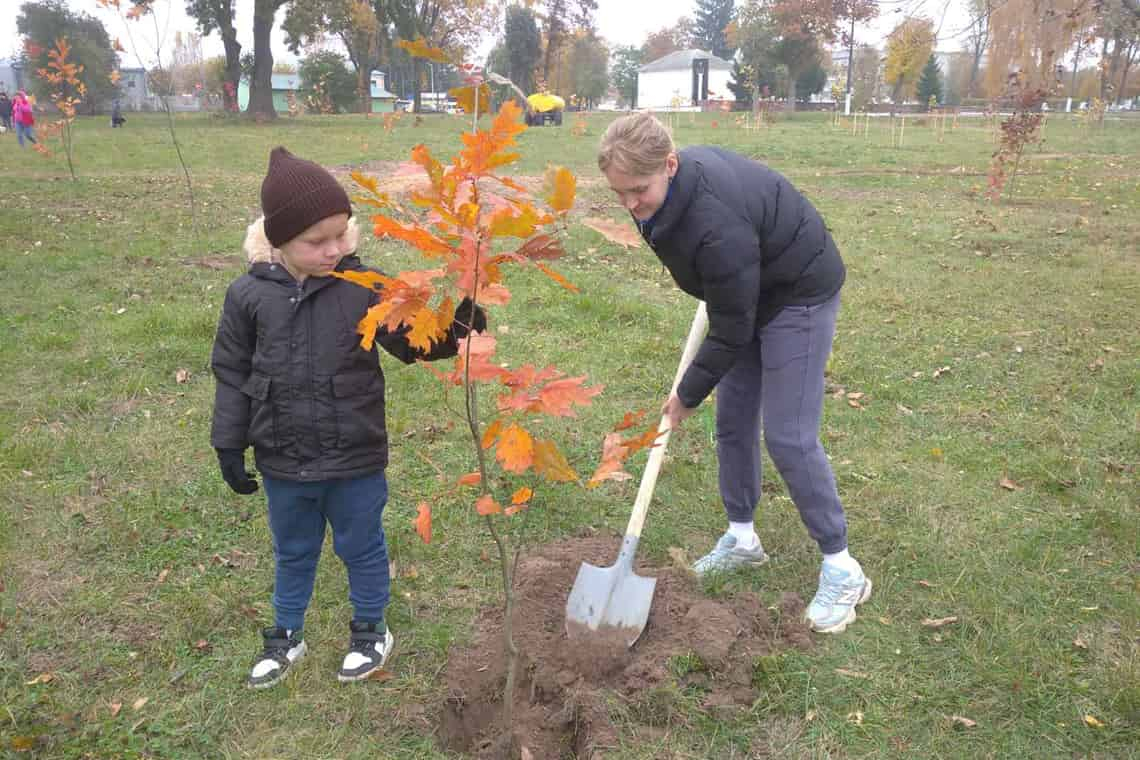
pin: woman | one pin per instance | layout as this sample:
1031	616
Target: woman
738	236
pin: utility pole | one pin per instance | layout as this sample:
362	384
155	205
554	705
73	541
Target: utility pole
850	64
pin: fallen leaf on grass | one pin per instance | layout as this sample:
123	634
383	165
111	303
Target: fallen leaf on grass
679	556
958	720
162	574
939	622
1010	485
940	372
139	703
925	584
381	675
23	743
615	232
115	707
855	717
1092	722
41	678
851	673
182	376
202	645
1080	643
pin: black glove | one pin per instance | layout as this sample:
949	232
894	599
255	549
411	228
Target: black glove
232	464
468	316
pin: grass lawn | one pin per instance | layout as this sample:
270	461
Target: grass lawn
994	344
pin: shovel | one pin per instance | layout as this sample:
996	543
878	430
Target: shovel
615	601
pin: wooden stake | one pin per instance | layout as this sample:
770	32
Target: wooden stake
902	130
866	125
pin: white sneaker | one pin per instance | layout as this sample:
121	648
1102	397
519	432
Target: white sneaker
368	650
728	555
282	648
833	606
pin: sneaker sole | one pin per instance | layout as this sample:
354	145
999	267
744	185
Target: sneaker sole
841	626
362	676
734	567
281	674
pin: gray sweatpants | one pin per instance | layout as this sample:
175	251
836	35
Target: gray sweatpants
778	382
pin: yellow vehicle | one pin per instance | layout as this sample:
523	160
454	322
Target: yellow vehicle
543	107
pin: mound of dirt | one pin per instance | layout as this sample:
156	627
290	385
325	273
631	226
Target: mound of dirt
562	686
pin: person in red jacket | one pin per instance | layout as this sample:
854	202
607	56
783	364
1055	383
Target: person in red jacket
23	118
294	383
738	236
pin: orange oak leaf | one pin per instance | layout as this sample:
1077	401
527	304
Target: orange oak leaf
508	223
616	232
541	247
616	450
491	434
562	184
470	479
420	48
559	397
465	98
557	278
522	495
550	464
422	523
629	420
480	368
420	238
515	451
486	505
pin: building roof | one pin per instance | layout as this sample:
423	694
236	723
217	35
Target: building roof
286	82
378	90
682	60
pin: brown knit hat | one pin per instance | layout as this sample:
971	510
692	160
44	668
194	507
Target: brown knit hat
296	194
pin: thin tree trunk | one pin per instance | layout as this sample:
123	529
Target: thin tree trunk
791	92
233	70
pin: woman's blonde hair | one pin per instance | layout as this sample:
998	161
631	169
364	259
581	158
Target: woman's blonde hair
636	144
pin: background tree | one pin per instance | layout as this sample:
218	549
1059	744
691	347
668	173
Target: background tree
1117	23
186	64
1029	37
848	13
908	47
810	81
89	46
326	81
359	25
803	27
523	44
712	17
261	82
930	83
588	64
453	26
624	64
560	19
668	40
867	76
754	36
219	15
977	40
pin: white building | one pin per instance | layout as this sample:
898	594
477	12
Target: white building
683	80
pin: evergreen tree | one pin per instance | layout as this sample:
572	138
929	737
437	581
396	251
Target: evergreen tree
741	86
930	83
712	17
523	46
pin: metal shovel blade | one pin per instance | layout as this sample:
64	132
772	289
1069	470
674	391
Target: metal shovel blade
610	600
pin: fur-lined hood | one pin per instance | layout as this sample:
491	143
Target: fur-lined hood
259	250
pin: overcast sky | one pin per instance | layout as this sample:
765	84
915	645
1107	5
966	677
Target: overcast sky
622	22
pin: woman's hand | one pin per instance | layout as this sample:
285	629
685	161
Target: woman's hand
675	411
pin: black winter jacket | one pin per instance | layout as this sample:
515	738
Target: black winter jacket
738	236
293	381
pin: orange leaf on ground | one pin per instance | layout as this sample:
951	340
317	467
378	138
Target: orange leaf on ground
615	232
562	184
470	479
515	451
486	505
521	495
422	523
550	464
558	278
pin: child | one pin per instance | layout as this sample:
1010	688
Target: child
294	382
738	236
24	118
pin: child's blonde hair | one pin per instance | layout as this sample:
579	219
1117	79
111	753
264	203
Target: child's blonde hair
636	144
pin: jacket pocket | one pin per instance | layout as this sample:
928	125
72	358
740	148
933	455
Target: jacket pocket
359	400
262	416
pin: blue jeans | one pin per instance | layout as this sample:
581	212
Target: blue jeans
777	385
297	516
25	131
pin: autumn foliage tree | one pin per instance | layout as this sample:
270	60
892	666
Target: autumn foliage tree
908	48
67	91
472	223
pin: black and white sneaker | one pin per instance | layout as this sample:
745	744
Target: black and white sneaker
368	650
282	649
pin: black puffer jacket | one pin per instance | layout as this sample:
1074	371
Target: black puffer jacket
293	381
737	235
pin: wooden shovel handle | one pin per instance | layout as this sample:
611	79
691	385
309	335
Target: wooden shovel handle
657	453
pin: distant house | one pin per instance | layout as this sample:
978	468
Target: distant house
683	80
134	95
382	100
282	85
